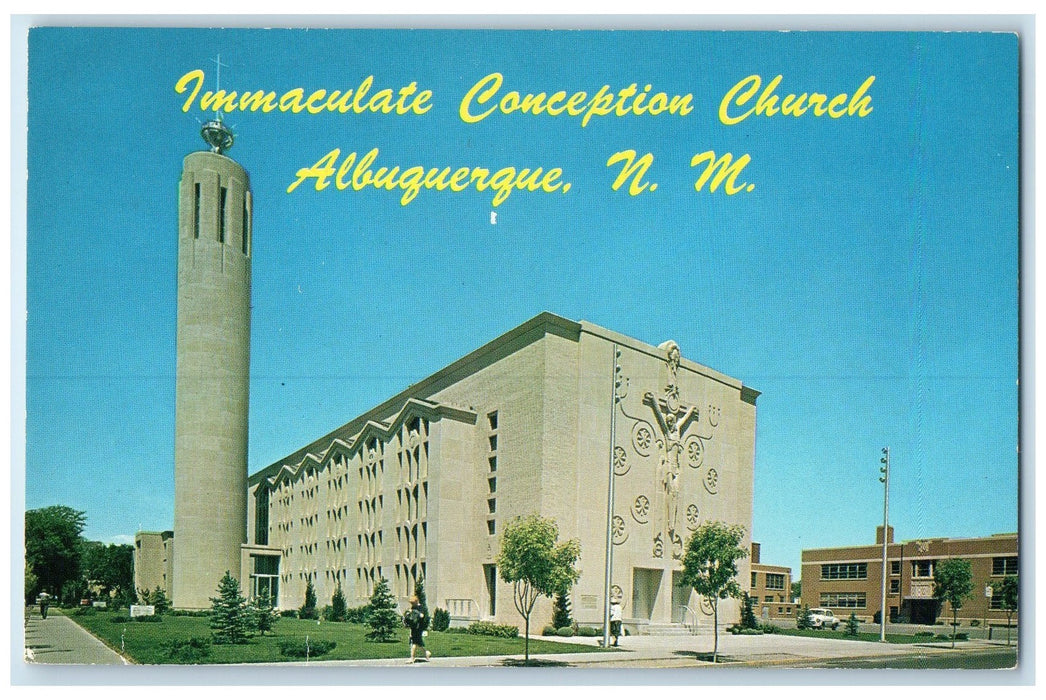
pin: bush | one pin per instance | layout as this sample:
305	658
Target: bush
147	618
561	611
490	629
565	632
337	610
119	619
548	631
86	611
748	631
189	613
357	615
770	629
302	648
308	609
288	613
851	625
962	636
188	651
589	632
923	634
440	620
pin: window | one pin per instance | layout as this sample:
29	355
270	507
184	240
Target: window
1004	566
895	586
895	568
245	226
261	516
223	196
490	527
492	484
775	582
843	600
836	572
493	443
196	211
755	579
493	463
266	577
492	418
922	568
492	505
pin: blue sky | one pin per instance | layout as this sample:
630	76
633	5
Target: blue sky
867	285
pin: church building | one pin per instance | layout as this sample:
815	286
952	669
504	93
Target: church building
626	445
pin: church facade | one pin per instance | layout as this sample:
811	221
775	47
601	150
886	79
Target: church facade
628	446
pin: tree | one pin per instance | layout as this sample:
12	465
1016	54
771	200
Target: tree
1008	591
158	599
953	583
31	584
109	566
308	610
852	626
231	618
535	565
53	546
383	618
797	590
710	566
561	611
338	606
803	618
419	593
265	616
748	620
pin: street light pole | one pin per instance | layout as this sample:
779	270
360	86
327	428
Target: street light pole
609	553
885	479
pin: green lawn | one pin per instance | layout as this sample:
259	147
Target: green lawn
861	636
144	641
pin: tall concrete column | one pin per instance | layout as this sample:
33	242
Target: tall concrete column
213	372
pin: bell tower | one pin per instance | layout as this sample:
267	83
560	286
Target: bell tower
213	369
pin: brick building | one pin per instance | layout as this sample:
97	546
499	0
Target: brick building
771	588
849	579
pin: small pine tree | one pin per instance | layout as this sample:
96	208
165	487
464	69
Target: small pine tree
419	593
803	618
440	620
748	620
383	618
851	625
338	606
561	611
308	610
265	615
231	618
158	599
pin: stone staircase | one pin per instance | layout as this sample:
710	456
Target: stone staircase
662	629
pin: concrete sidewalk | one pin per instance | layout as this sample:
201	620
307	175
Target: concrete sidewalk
679	651
59	640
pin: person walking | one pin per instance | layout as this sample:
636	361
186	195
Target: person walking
615	619
416	621
44	600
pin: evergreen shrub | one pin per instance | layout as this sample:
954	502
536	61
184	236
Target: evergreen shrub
301	648
193	650
440	620
490	629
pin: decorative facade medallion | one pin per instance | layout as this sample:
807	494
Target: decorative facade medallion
695	451
617	530
693	516
621	465
643	438
659	546
706	606
714	414
641	509
677	545
711	481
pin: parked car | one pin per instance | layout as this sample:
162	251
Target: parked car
823	617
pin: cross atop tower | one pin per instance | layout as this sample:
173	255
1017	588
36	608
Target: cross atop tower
218	136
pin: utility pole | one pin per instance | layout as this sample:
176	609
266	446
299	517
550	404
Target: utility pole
609	553
885	479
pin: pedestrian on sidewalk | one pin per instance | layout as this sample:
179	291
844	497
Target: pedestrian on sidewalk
615	619
44	600
415	620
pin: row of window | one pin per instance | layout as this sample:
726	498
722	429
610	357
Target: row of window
921	568
223	196
843	600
